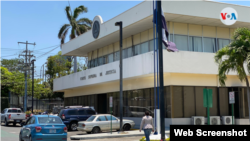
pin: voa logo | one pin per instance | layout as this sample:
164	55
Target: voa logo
228	16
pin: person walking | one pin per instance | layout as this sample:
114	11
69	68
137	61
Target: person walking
147	124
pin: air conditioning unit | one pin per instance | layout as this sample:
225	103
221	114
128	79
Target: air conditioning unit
226	120
197	120
214	120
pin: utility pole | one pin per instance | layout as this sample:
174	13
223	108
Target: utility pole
33	66
27	64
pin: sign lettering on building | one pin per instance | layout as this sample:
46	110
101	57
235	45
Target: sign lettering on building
83	78
110	72
92	76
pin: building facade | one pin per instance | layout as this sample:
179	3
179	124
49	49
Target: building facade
198	33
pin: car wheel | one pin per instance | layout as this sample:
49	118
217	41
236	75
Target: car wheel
73	126
6	123
126	127
88	132
96	130
30	139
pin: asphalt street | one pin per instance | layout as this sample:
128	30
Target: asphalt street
11	133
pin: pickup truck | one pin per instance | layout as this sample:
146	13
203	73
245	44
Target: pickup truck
13	115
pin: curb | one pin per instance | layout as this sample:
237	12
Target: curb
98	136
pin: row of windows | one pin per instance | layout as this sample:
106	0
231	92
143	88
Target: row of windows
126	53
198	44
183	43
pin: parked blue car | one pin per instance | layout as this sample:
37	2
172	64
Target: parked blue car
43	127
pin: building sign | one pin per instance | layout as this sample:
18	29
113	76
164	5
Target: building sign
228	16
96	29
92	76
110	72
83	78
231	98
110	101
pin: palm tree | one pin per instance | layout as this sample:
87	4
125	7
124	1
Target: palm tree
234	56
78	27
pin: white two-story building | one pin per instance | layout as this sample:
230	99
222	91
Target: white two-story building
196	29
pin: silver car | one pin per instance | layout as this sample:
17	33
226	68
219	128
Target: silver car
102	122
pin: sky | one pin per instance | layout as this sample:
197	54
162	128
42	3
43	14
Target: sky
40	21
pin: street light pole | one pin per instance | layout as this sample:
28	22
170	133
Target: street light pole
121	91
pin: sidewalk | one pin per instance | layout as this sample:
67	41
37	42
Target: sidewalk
109	135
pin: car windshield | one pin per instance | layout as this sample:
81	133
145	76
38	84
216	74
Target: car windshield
48	120
91	118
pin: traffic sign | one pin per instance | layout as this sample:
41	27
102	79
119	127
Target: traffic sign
231	98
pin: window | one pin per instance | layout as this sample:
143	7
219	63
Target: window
82	112
137	50
181	42
109	118
72	112
96	62
171	37
89	66
117	55
110	58
19	111
223	42
177	102
144	47
105	59
91	118
92	63
101	118
151	45
124	53
31	121
195	44
209	45
48	120
12	111
130	52
90	112
100	61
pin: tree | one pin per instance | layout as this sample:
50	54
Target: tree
57	66
233	57
14	82
12	64
78	27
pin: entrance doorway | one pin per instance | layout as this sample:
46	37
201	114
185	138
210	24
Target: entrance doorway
102	103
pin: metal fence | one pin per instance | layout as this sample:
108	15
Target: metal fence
39	104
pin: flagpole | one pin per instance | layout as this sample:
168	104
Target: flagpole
162	108
154	73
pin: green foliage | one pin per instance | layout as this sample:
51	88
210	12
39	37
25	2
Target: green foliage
233	56
15	82
12	64
78	27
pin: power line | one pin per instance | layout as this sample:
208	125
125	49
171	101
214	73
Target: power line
47	52
48	47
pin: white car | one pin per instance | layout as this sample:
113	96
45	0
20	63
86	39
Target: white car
102	122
